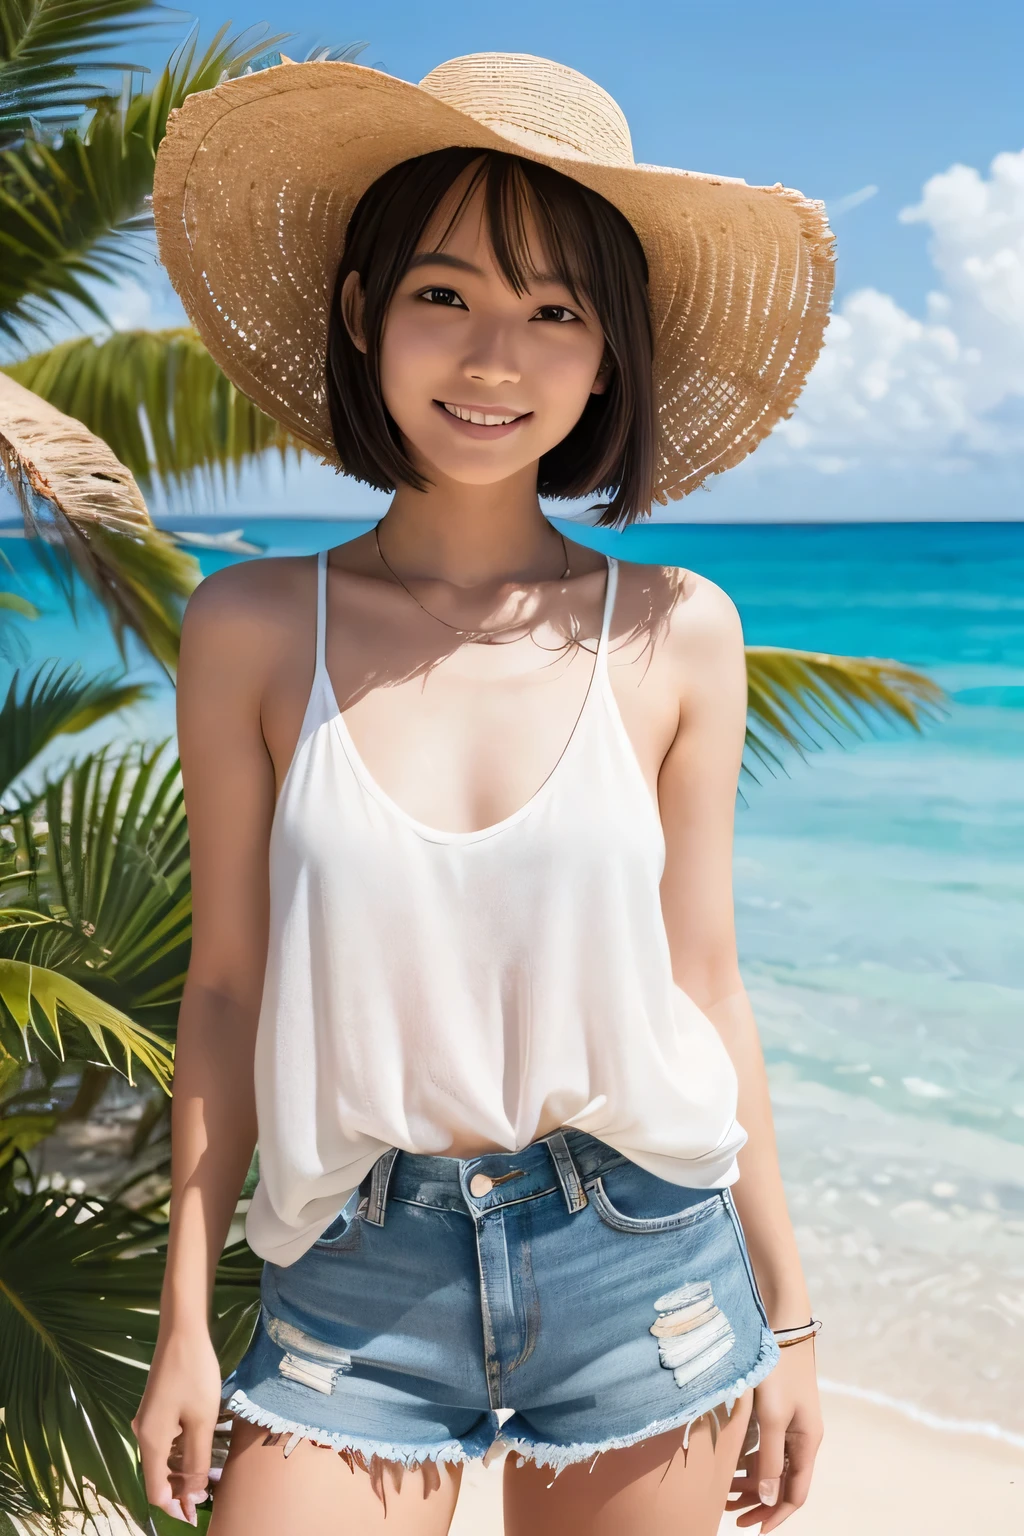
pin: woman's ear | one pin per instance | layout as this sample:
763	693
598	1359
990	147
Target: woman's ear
352	309
600	383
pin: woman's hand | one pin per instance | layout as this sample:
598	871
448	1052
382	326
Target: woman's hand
176	1420
773	1480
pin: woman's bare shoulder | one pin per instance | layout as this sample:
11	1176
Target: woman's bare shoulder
687	612
252	601
243	623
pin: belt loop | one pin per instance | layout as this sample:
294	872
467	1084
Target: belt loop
380	1178
568	1173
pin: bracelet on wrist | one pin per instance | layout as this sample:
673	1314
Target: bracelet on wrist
787	1336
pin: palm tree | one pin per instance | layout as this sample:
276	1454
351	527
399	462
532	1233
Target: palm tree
74	208
79	1292
95	925
95	906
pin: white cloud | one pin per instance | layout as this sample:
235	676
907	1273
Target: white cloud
947	389
132	305
129	306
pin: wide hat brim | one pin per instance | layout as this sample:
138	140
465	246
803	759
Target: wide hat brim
256	180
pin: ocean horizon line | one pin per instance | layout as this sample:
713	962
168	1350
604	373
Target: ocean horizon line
11	522
165	520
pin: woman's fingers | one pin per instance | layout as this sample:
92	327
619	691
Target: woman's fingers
175	1464
176	1420
189	1464
801	1450
743	1493
747	1500
737	1503
760	1485
154	1448
771	1460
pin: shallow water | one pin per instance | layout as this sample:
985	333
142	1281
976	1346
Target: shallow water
880	904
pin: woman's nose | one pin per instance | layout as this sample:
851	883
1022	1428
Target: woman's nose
492	360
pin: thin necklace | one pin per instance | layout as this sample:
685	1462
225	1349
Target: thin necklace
469	634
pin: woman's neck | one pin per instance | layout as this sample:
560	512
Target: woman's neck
472	535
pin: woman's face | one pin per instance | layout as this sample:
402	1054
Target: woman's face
481	382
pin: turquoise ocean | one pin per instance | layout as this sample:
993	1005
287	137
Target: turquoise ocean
880	906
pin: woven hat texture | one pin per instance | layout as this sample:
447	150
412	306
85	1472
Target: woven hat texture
256	180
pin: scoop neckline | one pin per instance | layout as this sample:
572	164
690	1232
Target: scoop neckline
597	685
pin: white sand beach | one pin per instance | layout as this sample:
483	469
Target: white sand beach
878	1472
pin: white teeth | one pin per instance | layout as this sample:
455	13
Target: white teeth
481	418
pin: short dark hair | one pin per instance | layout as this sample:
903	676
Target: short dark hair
594	251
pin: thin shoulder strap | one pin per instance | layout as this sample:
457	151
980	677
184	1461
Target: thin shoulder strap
321	612
611	584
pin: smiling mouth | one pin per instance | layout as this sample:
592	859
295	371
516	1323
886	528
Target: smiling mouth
482	418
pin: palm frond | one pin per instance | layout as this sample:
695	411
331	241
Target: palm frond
794	696
80	1282
158	400
53	701
113	875
79	1296
10	602
13	607
19	1134
17	1503
11	1075
84	505
49	48
29	991
68	210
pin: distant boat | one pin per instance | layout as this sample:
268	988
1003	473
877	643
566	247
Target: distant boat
230	542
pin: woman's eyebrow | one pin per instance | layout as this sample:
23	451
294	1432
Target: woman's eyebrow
445	259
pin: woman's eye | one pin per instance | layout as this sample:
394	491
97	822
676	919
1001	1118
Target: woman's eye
558	312
442	296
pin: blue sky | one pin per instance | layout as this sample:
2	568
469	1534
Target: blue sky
917	408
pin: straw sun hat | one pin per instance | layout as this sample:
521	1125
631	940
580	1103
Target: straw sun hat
256	180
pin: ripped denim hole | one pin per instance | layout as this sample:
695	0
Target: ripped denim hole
308	1361
310	1373
692	1333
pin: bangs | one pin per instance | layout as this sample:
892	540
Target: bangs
585	243
514	197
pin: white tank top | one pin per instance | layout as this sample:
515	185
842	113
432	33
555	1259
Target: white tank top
491	984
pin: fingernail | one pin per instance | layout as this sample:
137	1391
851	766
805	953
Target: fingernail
768	1490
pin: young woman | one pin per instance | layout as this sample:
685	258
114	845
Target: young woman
460	794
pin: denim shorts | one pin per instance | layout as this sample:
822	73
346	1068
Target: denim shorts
599	1303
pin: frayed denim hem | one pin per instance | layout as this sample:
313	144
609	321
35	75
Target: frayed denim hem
447	1453
558	1457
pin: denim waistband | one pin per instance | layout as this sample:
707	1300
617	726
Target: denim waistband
567	1159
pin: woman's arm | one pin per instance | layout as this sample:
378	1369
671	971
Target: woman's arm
229	795
697	795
